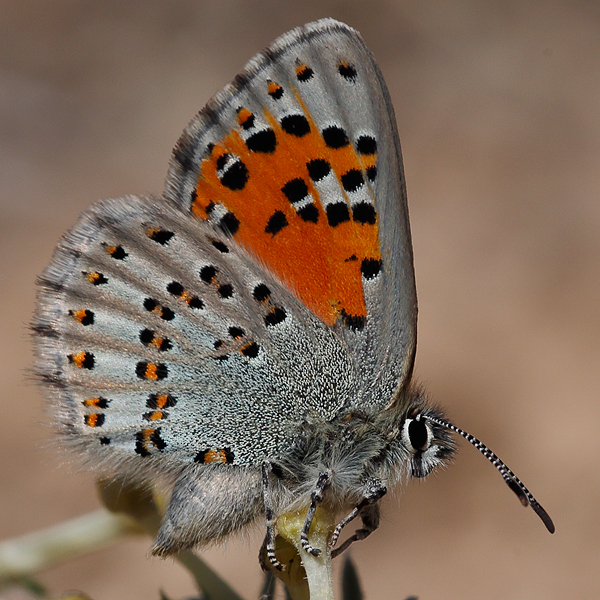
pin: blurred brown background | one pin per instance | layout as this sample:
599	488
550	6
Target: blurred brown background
498	107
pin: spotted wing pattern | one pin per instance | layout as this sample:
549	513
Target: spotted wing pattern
159	337
274	283
299	160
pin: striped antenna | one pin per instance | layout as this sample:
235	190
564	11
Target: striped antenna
513	482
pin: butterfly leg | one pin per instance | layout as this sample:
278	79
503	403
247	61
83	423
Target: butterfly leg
343	523
368	509
316	497
370	519
269	542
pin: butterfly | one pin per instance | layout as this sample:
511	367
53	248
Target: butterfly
250	336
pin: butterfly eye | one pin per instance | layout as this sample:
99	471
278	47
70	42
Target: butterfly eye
427	446
417	434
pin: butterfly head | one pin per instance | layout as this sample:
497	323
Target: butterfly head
428	443
425	434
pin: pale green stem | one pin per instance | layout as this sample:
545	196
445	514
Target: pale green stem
33	552
317	576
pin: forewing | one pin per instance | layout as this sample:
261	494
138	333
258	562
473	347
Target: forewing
299	161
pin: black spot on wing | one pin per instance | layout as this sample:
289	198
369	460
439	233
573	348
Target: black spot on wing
352	180
370	268
304	73
275	91
261	292
296	125
364	213
354	322
225	290
250	350
335	137
262	141
276	316
220	246
229	224
318	169
366	144
347	71
232	172
309	213
295	190
160	236
337	213
276	223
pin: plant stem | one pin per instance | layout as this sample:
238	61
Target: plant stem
317	569
25	555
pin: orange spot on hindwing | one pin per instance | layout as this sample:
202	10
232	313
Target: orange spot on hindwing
84	317
94	420
158	403
151	371
215	455
148	441
82	360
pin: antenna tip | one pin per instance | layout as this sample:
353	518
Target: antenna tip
544	516
528	500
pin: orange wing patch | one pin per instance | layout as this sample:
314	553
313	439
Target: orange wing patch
276	203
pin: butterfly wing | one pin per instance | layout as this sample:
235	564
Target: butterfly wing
160	338
298	160
275	283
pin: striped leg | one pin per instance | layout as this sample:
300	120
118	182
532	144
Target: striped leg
269	516
316	498
370	520
369	513
336	534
